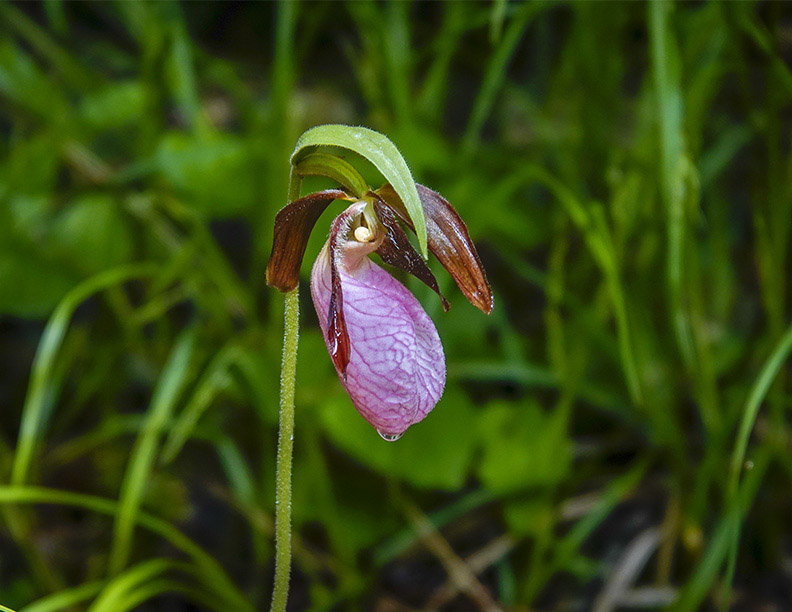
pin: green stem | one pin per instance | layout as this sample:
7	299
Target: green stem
283	477
347	176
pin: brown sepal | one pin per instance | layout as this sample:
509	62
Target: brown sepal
293	225
396	250
449	241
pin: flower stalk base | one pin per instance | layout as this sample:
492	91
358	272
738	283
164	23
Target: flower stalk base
283	476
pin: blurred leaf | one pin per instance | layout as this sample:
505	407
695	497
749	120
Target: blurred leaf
523	447
92	234
180	71
23	83
31	166
115	105
534	517
498	210
73	72
43	253
434	453
31	280
30	288
215	172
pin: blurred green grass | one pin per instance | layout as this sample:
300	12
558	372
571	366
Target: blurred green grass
616	430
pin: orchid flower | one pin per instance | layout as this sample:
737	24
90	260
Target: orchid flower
384	346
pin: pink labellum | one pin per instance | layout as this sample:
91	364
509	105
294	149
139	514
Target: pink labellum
385	348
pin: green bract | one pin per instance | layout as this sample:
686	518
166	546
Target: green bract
381	152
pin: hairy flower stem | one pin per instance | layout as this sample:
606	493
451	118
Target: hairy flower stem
283	469
283	477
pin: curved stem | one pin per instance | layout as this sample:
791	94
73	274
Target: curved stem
758	392
757	395
283	477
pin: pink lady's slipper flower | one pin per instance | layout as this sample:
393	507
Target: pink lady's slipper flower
384	346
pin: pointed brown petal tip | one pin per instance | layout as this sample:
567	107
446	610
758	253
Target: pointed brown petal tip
449	241
293	225
397	251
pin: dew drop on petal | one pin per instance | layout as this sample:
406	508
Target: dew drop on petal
389	437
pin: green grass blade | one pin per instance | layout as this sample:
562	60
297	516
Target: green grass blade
757	395
398	52
721	541
182	72
668	96
35	408
169	387
65	599
530	375
495	75
211	570
568	546
591	224
213	381
435	85
40	40
56	17
237	471
614	494
497	16
758	392
381	152
163	586
118	588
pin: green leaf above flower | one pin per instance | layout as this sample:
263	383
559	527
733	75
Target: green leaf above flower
381	152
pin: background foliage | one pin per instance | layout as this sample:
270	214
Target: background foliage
625	170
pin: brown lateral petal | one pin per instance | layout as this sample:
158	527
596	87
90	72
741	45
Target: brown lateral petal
449	241
337	334
293	225
397	250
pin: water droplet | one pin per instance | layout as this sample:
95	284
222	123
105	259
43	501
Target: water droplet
389	437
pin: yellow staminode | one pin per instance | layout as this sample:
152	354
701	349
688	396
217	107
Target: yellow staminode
363	234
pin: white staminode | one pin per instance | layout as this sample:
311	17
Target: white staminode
363	234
